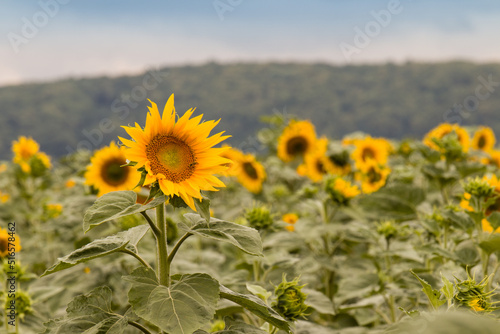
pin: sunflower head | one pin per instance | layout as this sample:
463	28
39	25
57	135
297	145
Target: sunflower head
297	140
493	159
178	155
473	295
290	300
373	178
341	191
484	139
235	156
316	162
105	172
4	197
368	150
5	239
24	148
250	173
443	130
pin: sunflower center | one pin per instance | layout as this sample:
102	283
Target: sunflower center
373	176
296	145
481	142
250	170
367	153
3	245
112	172
171	157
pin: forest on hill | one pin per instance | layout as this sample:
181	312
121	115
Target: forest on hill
393	101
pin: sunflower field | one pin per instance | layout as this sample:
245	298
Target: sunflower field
170	230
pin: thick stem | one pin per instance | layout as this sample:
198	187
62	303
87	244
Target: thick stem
163	264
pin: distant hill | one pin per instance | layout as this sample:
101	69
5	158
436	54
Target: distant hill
384	100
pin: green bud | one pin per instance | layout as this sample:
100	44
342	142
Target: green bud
479	188
130	221
259	218
217	325
387	229
172	231
472	295
290	300
22	303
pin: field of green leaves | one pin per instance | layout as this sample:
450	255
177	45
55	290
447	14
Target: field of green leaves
169	230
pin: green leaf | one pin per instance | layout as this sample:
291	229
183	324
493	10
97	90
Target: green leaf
432	294
126	240
256	306
460	220
187	305
494	220
492	244
245	238
203	208
319	302
259	292
114	205
238	327
89	314
447	289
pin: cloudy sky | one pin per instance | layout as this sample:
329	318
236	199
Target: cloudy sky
50	39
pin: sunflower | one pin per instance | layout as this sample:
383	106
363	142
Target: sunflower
250	173
484	139
444	129
4	242
338	163
24	148
105	172
374	177
370	150
235	156
493	159
297	139
315	162
4	197
493	181
340	190
177	154
290	219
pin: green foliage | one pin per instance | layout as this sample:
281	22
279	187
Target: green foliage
185	306
123	241
90	313
245	238
115	205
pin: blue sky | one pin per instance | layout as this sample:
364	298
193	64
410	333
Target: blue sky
98	37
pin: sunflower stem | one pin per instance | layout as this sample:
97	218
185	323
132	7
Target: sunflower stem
155	229
177	246
163	264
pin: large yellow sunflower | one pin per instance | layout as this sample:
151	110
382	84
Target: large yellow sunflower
484	139
4	243
446	128
179	155
373	178
105	172
250	173
297	139
370	150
